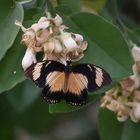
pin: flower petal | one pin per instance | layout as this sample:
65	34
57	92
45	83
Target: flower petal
42	19
136	53
58	20
68	41
28	59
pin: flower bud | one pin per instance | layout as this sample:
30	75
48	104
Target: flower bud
58	20
42	37
48	47
121	117
68	41
42	25
136	53
137	110
58	47
78	37
135	77
28	59
42	19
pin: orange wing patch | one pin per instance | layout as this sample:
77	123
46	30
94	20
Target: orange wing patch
55	80
76	83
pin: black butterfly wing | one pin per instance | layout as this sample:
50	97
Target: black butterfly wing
50	76
96	76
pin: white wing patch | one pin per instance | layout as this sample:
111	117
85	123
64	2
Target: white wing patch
37	70
99	76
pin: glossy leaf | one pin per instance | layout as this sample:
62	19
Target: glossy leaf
36	118
75	6
7	27
6	122
111	129
12	72
96	5
23	95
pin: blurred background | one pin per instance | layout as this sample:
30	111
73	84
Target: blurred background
23	113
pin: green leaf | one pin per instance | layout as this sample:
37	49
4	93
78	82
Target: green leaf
36	118
95	4
75	6
111	129
108	126
60	10
11	72
23	95
107	48
8	15
6	122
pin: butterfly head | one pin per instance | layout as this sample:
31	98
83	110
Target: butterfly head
68	66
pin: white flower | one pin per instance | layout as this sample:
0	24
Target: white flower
78	37
41	25
136	53
69	42
135	77
48	49
42	37
58	47
135	112
58	20
28	59
42	19
122	117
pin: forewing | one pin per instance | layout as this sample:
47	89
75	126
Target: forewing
38	72
96	76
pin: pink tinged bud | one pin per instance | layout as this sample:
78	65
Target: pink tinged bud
78	38
84	45
58	20
58	47
42	19
132	116
42	37
121	118
137	110
135	77
69	42
48	47
42	25
30	33
28	59
136	53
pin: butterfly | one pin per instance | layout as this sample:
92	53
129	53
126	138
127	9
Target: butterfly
68	82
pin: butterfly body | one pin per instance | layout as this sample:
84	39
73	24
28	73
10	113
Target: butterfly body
68	82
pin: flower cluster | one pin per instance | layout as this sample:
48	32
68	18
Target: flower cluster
49	36
124	98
